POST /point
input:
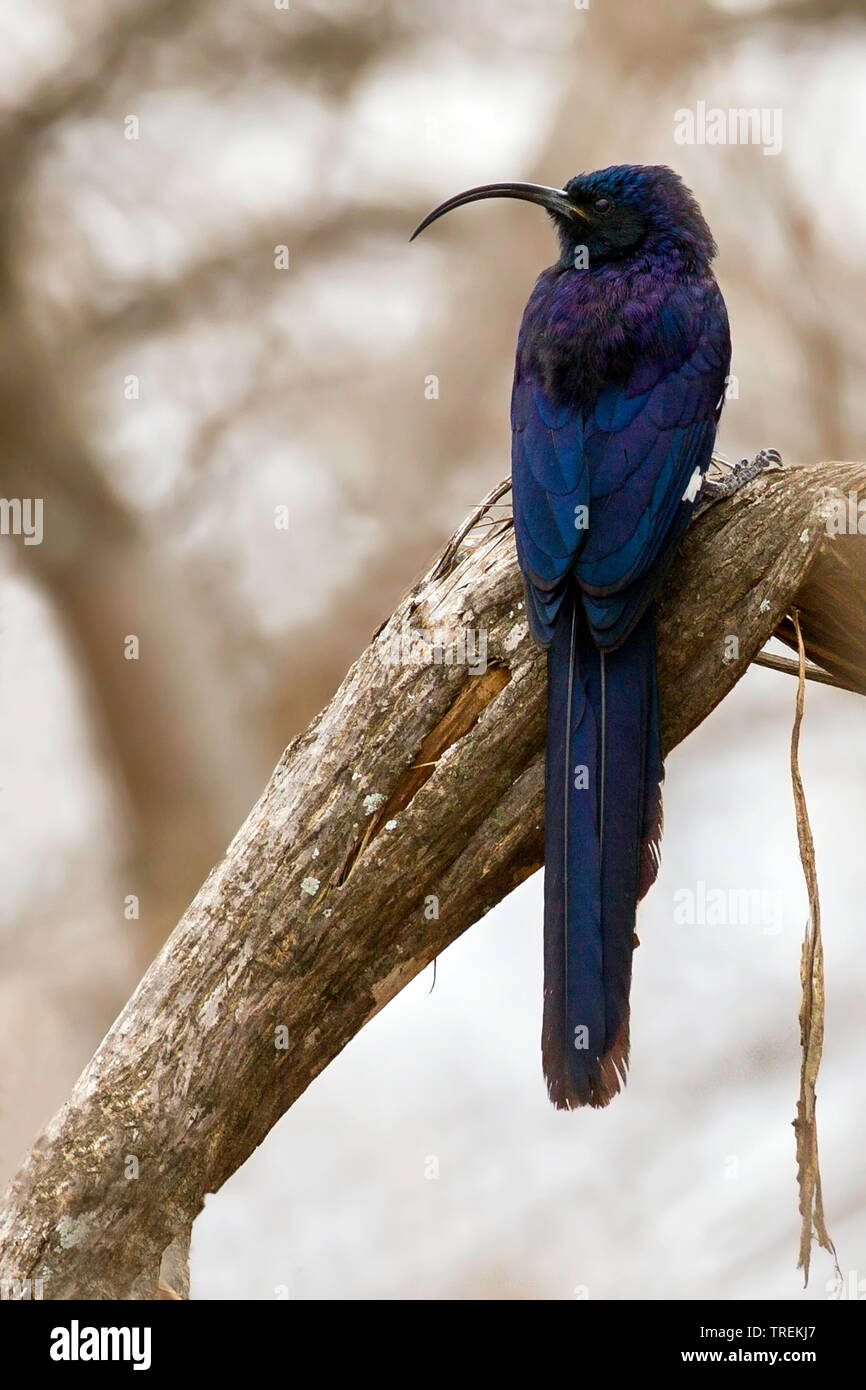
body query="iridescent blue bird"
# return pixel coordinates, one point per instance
(622, 359)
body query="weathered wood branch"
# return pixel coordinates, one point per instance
(419, 785)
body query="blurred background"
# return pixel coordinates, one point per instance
(209, 310)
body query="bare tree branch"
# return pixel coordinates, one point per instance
(791, 668)
(410, 806)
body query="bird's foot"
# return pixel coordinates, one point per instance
(714, 490)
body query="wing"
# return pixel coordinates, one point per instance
(551, 489)
(634, 458)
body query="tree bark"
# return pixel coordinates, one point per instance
(410, 806)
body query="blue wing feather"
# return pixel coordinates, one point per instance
(628, 457)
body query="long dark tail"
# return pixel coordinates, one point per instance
(602, 830)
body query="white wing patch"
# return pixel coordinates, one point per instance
(694, 486)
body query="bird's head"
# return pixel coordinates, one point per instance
(611, 214)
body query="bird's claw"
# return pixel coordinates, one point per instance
(744, 472)
(763, 460)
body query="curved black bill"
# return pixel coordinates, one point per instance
(553, 199)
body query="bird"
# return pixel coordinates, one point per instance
(622, 361)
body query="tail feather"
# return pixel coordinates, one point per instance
(602, 824)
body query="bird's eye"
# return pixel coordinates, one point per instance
(602, 204)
